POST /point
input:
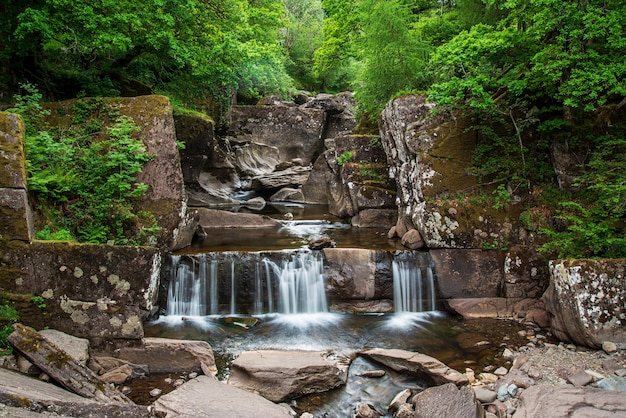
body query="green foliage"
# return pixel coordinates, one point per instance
(38, 301)
(84, 177)
(46, 234)
(8, 316)
(345, 157)
(191, 49)
(393, 58)
(595, 222)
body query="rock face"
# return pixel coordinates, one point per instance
(284, 375)
(165, 198)
(206, 397)
(294, 130)
(549, 401)
(90, 291)
(417, 364)
(440, 208)
(16, 215)
(358, 274)
(587, 301)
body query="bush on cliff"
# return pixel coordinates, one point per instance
(83, 176)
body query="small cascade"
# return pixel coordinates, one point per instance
(413, 282)
(246, 283)
(300, 284)
(186, 294)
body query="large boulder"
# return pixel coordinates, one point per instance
(447, 401)
(165, 198)
(553, 401)
(416, 364)
(214, 218)
(293, 177)
(586, 300)
(164, 355)
(21, 391)
(284, 375)
(206, 397)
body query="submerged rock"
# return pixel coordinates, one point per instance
(417, 364)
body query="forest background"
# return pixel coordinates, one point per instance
(531, 74)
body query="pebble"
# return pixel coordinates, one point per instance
(155, 392)
(484, 395)
(178, 382)
(168, 380)
(620, 372)
(507, 354)
(501, 371)
(609, 347)
(192, 375)
(125, 390)
(579, 378)
(594, 374)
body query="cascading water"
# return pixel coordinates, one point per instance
(246, 283)
(413, 282)
(300, 284)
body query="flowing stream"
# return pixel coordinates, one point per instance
(254, 299)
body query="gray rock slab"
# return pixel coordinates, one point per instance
(76, 347)
(282, 375)
(18, 391)
(213, 218)
(566, 401)
(206, 397)
(416, 364)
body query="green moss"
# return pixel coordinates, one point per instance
(58, 359)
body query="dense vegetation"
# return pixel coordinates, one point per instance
(532, 74)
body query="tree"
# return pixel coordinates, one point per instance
(187, 48)
(302, 35)
(393, 57)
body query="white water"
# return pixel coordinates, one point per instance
(413, 284)
(291, 286)
(300, 283)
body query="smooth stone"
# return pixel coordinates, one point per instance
(484, 395)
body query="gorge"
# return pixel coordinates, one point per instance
(411, 220)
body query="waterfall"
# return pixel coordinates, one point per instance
(246, 283)
(413, 283)
(301, 283)
(186, 293)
